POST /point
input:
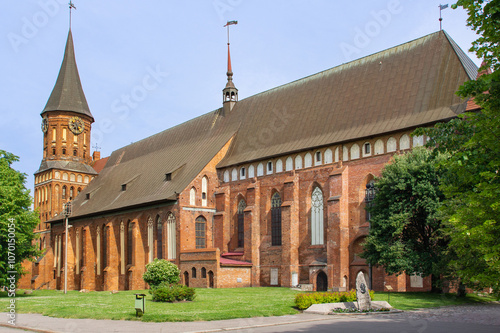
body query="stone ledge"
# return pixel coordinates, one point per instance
(327, 308)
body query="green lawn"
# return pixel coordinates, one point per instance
(210, 304)
(412, 301)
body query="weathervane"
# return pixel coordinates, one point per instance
(441, 7)
(71, 6)
(227, 25)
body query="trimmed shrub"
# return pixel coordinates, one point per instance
(172, 293)
(305, 300)
(161, 272)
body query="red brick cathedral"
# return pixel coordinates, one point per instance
(270, 190)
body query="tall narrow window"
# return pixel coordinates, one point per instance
(172, 246)
(150, 240)
(71, 193)
(104, 246)
(200, 228)
(241, 223)
(192, 196)
(99, 246)
(122, 248)
(317, 228)
(204, 190)
(130, 247)
(276, 219)
(64, 134)
(159, 238)
(369, 196)
(82, 249)
(64, 192)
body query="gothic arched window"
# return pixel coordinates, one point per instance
(159, 238)
(241, 223)
(130, 239)
(276, 219)
(171, 246)
(201, 233)
(104, 251)
(317, 225)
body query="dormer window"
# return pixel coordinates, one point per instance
(124, 187)
(87, 196)
(168, 177)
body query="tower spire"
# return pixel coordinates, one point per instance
(68, 94)
(230, 93)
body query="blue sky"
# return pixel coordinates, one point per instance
(182, 44)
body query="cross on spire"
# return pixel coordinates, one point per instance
(71, 6)
(96, 147)
(441, 7)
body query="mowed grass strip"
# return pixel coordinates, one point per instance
(419, 300)
(210, 304)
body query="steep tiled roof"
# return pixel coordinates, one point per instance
(409, 85)
(67, 94)
(183, 151)
(100, 164)
(406, 86)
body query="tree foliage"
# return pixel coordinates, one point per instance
(16, 219)
(470, 177)
(405, 230)
(161, 272)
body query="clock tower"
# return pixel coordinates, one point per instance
(66, 166)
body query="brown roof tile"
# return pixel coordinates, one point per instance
(403, 87)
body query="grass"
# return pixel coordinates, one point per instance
(210, 304)
(412, 301)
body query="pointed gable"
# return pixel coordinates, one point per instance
(68, 94)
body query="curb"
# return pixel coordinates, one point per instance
(24, 328)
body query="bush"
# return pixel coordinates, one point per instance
(161, 272)
(305, 300)
(172, 293)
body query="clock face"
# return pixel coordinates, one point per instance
(76, 125)
(45, 125)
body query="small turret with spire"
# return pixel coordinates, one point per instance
(230, 93)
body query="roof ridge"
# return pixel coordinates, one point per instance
(338, 67)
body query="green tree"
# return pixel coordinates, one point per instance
(161, 272)
(17, 220)
(470, 179)
(405, 230)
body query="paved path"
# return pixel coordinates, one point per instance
(476, 318)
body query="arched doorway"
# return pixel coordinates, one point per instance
(321, 282)
(186, 279)
(210, 279)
